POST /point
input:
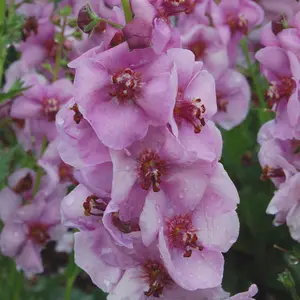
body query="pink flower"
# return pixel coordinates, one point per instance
(20, 190)
(189, 238)
(235, 19)
(75, 133)
(233, 97)
(276, 8)
(285, 205)
(64, 171)
(279, 158)
(103, 33)
(98, 255)
(205, 43)
(282, 94)
(40, 104)
(195, 105)
(38, 31)
(27, 231)
(120, 98)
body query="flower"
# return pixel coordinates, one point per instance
(233, 97)
(205, 43)
(40, 104)
(282, 95)
(121, 98)
(74, 134)
(27, 231)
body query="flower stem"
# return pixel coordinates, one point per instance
(2, 43)
(113, 24)
(59, 50)
(75, 270)
(40, 170)
(127, 10)
(17, 285)
(257, 85)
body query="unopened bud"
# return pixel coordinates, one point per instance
(87, 20)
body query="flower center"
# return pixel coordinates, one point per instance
(94, 206)
(77, 114)
(38, 232)
(190, 111)
(173, 7)
(181, 234)
(221, 103)
(30, 25)
(156, 276)
(285, 88)
(50, 108)
(24, 185)
(238, 23)
(198, 48)
(65, 173)
(268, 173)
(150, 170)
(125, 227)
(20, 123)
(126, 85)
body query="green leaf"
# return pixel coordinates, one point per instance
(5, 164)
(12, 93)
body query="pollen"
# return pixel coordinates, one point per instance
(155, 274)
(38, 233)
(182, 234)
(50, 108)
(126, 85)
(94, 206)
(190, 111)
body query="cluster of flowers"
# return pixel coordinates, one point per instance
(280, 138)
(154, 208)
(136, 134)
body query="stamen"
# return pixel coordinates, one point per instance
(238, 23)
(284, 89)
(38, 232)
(50, 108)
(93, 207)
(268, 173)
(181, 234)
(150, 170)
(78, 115)
(157, 277)
(126, 85)
(191, 112)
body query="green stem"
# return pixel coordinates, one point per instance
(39, 172)
(59, 51)
(70, 282)
(294, 294)
(113, 24)
(3, 50)
(17, 286)
(259, 92)
(127, 10)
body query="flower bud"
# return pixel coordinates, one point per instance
(87, 19)
(137, 33)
